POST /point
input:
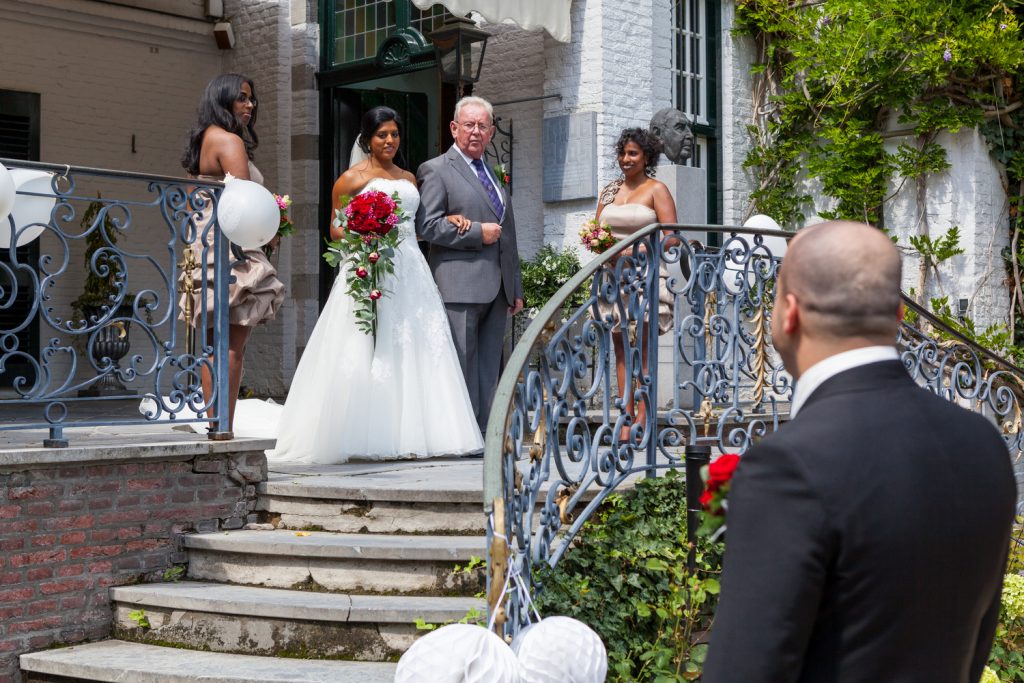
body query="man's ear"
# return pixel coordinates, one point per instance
(791, 319)
(900, 312)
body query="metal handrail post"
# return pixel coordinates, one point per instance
(696, 457)
(221, 280)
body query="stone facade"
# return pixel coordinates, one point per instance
(68, 532)
(96, 63)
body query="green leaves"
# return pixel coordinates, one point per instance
(546, 272)
(626, 577)
(837, 75)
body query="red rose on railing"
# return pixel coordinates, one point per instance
(717, 482)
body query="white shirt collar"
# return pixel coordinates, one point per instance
(817, 374)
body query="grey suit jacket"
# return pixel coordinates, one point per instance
(465, 269)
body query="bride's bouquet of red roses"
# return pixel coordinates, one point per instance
(368, 247)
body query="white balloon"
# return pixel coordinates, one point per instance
(7, 191)
(562, 650)
(762, 221)
(29, 210)
(248, 213)
(458, 653)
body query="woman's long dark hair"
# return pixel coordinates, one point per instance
(372, 120)
(216, 108)
(647, 141)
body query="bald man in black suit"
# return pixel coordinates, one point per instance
(868, 537)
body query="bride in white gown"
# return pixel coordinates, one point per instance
(405, 396)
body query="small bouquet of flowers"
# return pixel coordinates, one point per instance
(596, 237)
(502, 174)
(286, 228)
(368, 247)
(717, 481)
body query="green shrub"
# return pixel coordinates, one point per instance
(546, 272)
(1007, 658)
(626, 577)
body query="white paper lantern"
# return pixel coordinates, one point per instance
(762, 221)
(7, 191)
(458, 653)
(776, 245)
(248, 213)
(562, 650)
(29, 210)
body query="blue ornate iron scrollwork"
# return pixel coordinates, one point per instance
(561, 439)
(156, 219)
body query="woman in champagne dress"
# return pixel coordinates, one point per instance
(222, 142)
(626, 205)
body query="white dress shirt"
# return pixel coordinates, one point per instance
(490, 174)
(832, 366)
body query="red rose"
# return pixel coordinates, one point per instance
(361, 272)
(705, 498)
(374, 257)
(720, 471)
(371, 212)
(375, 294)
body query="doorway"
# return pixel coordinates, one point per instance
(415, 95)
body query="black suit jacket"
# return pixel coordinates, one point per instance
(866, 541)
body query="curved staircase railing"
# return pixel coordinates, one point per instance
(561, 438)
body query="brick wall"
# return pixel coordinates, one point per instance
(69, 533)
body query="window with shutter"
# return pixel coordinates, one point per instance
(19, 139)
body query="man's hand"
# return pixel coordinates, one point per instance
(515, 308)
(491, 232)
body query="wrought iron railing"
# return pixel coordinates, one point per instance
(560, 438)
(126, 238)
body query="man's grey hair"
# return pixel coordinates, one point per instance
(477, 101)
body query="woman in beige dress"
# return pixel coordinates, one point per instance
(628, 204)
(222, 142)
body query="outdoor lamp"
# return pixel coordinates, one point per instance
(457, 58)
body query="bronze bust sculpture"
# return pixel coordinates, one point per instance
(673, 128)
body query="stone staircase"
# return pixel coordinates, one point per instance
(328, 586)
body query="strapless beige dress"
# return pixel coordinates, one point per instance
(256, 294)
(624, 220)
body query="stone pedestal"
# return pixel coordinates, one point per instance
(688, 186)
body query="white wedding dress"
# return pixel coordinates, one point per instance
(404, 397)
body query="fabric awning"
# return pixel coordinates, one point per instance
(550, 15)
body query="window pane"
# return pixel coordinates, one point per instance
(689, 61)
(361, 25)
(427, 20)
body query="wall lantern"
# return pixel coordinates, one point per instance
(460, 49)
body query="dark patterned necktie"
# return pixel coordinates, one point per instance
(492, 193)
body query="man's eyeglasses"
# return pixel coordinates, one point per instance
(243, 98)
(470, 127)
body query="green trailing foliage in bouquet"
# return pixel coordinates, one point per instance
(368, 247)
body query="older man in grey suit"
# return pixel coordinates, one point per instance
(476, 269)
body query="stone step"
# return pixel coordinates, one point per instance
(433, 496)
(351, 563)
(276, 622)
(116, 660)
